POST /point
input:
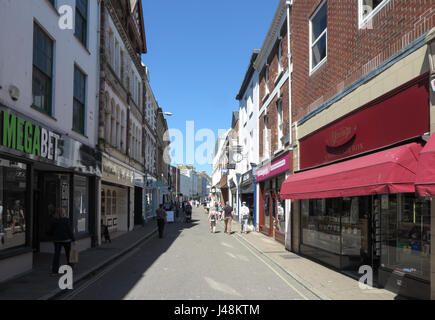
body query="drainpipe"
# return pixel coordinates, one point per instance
(288, 231)
(289, 3)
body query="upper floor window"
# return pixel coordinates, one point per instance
(267, 79)
(280, 130)
(79, 101)
(81, 20)
(280, 66)
(318, 37)
(117, 58)
(42, 77)
(368, 8)
(111, 49)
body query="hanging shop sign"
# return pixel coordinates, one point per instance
(279, 165)
(26, 138)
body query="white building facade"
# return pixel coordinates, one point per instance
(49, 108)
(248, 97)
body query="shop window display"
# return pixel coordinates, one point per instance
(354, 226)
(267, 211)
(81, 205)
(321, 224)
(13, 177)
(406, 234)
(280, 223)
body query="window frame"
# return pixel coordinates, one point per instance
(324, 33)
(85, 19)
(82, 103)
(50, 76)
(280, 123)
(280, 57)
(266, 79)
(363, 21)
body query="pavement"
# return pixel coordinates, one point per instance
(326, 283)
(39, 285)
(190, 263)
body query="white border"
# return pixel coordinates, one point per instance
(362, 21)
(312, 70)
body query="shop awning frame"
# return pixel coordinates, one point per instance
(389, 171)
(425, 181)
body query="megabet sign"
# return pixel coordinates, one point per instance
(22, 135)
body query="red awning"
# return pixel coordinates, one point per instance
(425, 181)
(389, 171)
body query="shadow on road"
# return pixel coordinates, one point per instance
(118, 283)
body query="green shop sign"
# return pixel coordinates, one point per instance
(22, 135)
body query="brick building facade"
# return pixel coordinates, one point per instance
(360, 91)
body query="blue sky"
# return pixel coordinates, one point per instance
(198, 53)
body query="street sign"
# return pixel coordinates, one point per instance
(224, 171)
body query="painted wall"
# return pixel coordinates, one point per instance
(17, 20)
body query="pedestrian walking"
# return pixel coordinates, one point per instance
(62, 234)
(244, 215)
(228, 217)
(220, 211)
(188, 212)
(161, 220)
(105, 232)
(212, 218)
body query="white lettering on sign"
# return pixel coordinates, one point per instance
(50, 146)
(278, 165)
(44, 140)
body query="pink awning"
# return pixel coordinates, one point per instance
(425, 181)
(390, 171)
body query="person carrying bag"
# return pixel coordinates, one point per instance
(63, 236)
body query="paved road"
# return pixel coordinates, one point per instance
(190, 263)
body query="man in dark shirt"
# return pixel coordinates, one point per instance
(62, 234)
(228, 217)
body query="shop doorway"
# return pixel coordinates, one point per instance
(138, 206)
(51, 191)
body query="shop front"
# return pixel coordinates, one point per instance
(117, 191)
(138, 210)
(42, 172)
(272, 208)
(150, 197)
(357, 195)
(224, 190)
(234, 202)
(247, 194)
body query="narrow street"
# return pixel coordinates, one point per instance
(190, 263)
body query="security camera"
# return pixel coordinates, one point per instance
(14, 92)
